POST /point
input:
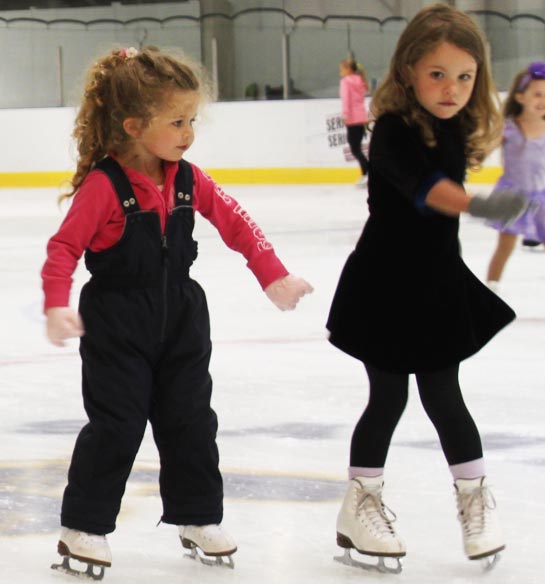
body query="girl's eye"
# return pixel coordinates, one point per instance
(180, 123)
(466, 77)
(436, 75)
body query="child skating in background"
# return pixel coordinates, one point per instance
(523, 150)
(352, 90)
(144, 325)
(406, 303)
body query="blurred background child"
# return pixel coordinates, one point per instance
(523, 150)
(353, 89)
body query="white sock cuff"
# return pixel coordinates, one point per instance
(468, 470)
(364, 471)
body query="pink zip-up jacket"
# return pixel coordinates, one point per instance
(352, 92)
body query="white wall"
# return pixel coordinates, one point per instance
(232, 134)
(286, 134)
(36, 140)
(255, 134)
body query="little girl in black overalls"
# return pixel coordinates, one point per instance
(146, 346)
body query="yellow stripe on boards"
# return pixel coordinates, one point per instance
(224, 176)
(487, 175)
(283, 175)
(32, 180)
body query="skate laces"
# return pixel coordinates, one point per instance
(371, 507)
(473, 508)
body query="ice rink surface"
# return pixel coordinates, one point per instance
(287, 402)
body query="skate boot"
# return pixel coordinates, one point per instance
(493, 285)
(362, 182)
(481, 531)
(208, 541)
(87, 548)
(364, 523)
(530, 243)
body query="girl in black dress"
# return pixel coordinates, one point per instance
(406, 303)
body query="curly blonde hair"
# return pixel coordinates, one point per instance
(481, 118)
(126, 83)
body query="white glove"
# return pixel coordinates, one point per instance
(285, 292)
(63, 323)
(502, 205)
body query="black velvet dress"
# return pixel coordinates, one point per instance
(406, 302)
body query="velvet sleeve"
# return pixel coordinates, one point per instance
(399, 155)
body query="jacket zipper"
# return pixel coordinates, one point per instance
(164, 254)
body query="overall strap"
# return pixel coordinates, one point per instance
(113, 170)
(183, 183)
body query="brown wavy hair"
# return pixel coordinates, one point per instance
(126, 83)
(481, 118)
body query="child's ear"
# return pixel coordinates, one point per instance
(133, 127)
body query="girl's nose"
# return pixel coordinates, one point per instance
(449, 88)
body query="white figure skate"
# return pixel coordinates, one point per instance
(477, 514)
(208, 541)
(364, 523)
(362, 182)
(87, 548)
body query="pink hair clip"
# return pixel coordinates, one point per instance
(129, 53)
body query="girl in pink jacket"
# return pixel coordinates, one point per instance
(353, 88)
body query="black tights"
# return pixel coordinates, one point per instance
(443, 402)
(354, 136)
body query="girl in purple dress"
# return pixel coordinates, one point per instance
(523, 150)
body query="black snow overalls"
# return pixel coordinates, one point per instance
(145, 356)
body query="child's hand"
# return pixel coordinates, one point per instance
(63, 323)
(285, 292)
